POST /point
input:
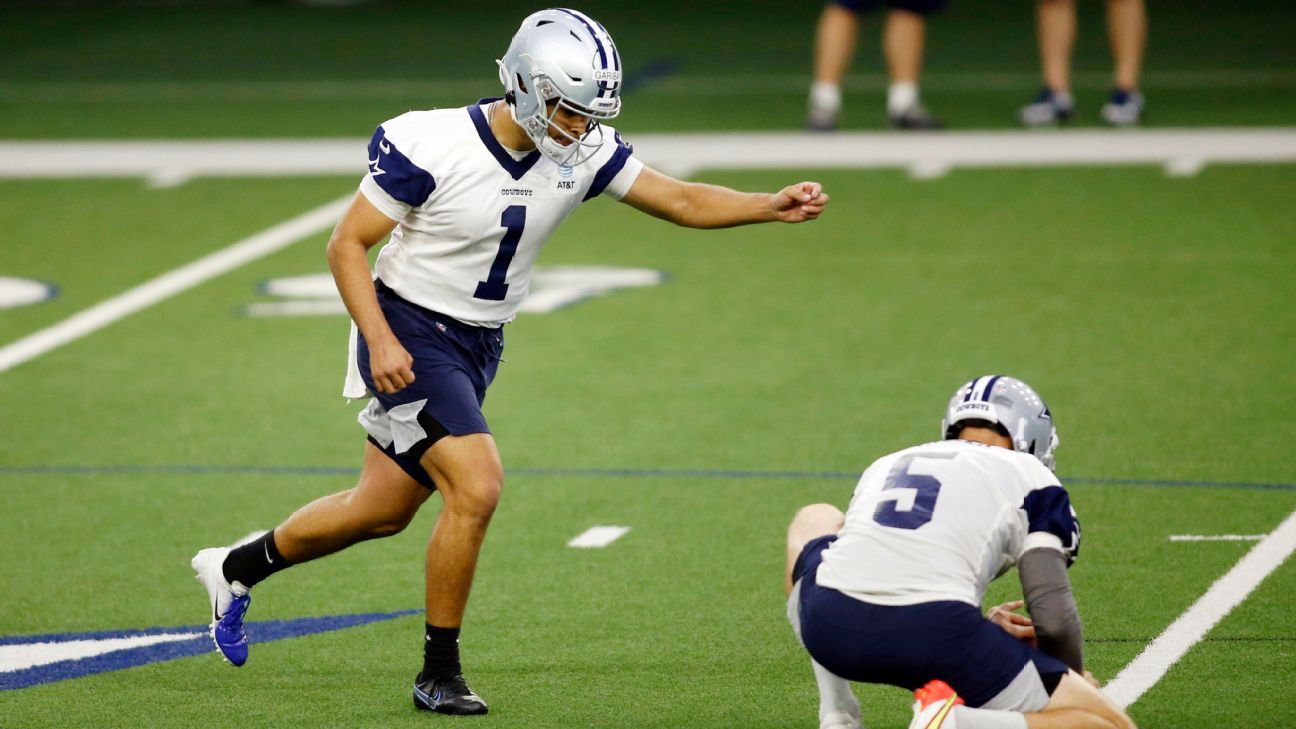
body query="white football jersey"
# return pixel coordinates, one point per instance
(471, 217)
(940, 521)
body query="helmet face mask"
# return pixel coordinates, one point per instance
(1011, 404)
(562, 60)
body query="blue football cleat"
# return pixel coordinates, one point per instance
(229, 604)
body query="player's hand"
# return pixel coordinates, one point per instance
(1014, 624)
(390, 365)
(800, 202)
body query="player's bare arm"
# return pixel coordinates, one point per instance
(699, 205)
(362, 227)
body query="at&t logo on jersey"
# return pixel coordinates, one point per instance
(565, 171)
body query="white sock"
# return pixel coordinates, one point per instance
(901, 97)
(825, 97)
(1063, 99)
(965, 717)
(834, 692)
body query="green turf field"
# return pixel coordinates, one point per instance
(772, 365)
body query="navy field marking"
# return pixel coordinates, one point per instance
(31, 660)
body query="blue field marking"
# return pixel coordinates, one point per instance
(672, 473)
(258, 632)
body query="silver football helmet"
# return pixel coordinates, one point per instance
(567, 57)
(1010, 404)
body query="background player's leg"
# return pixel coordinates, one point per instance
(1056, 26)
(902, 44)
(1127, 31)
(382, 503)
(811, 521)
(835, 40)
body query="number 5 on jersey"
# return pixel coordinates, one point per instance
(494, 288)
(912, 497)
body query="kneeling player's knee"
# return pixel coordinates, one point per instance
(811, 522)
(820, 518)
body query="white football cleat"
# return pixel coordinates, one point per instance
(229, 602)
(839, 719)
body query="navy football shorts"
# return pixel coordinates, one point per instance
(922, 7)
(454, 363)
(909, 645)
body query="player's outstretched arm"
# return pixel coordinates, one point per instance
(362, 227)
(698, 205)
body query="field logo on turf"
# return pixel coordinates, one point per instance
(31, 660)
(552, 288)
(15, 292)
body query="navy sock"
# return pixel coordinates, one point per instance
(254, 561)
(440, 652)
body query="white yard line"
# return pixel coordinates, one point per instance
(171, 283)
(21, 656)
(1179, 151)
(1228, 592)
(1216, 537)
(598, 536)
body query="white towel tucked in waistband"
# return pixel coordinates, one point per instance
(354, 388)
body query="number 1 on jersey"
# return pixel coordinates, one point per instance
(494, 288)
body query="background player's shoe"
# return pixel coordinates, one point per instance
(229, 603)
(449, 695)
(916, 117)
(934, 706)
(821, 120)
(1049, 109)
(1124, 109)
(838, 719)
(823, 106)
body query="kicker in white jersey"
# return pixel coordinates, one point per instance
(940, 521)
(473, 215)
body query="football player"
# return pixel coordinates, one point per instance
(468, 196)
(890, 592)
